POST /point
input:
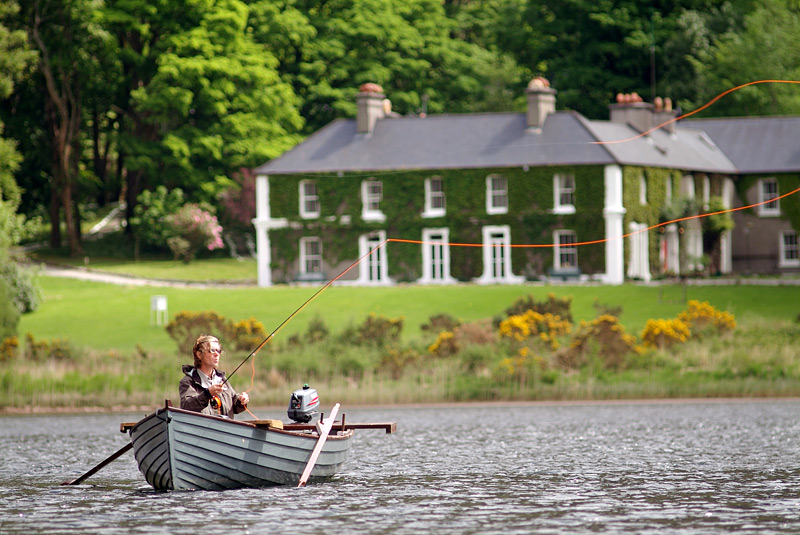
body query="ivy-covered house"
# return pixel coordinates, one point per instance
(493, 197)
(766, 154)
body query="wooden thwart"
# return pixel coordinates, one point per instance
(390, 427)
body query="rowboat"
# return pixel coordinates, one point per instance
(178, 449)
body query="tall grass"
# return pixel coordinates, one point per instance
(120, 359)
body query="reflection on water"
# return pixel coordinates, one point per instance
(676, 467)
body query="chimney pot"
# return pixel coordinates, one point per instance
(371, 107)
(541, 101)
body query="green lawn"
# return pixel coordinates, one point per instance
(106, 316)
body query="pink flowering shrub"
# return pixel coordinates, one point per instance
(192, 229)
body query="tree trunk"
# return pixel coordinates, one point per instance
(63, 102)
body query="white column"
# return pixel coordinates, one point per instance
(261, 223)
(726, 253)
(613, 213)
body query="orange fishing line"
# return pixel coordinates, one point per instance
(701, 108)
(548, 245)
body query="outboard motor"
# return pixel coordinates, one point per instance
(303, 404)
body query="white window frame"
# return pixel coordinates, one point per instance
(434, 197)
(374, 268)
(771, 209)
(310, 259)
(496, 198)
(371, 201)
(560, 250)
(309, 202)
(436, 256)
(789, 253)
(706, 192)
(497, 256)
(563, 193)
(642, 190)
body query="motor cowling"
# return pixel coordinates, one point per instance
(303, 404)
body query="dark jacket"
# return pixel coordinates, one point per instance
(196, 398)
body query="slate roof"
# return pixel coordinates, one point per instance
(492, 140)
(756, 144)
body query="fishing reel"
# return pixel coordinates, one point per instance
(303, 404)
(216, 403)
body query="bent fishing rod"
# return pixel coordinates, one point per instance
(301, 307)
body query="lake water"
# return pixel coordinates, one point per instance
(683, 467)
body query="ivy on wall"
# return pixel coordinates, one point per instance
(529, 218)
(656, 180)
(790, 206)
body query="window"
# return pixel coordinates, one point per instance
(374, 268)
(789, 250)
(435, 256)
(668, 190)
(566, 252)
(768, 189)
(497, 256)
(310, 255)
(564, 194)
(309, 201)
(706, 192)
(434, 197)
(371, 197)
(496, 194)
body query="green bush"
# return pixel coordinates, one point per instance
(9, 313)
(22, 283)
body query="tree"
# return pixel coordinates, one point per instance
(592, 50)
(763, 47)
(61, 31)
(328, 48)
(17, 291)
(201, 99)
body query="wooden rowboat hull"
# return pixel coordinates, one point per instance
(181, 450)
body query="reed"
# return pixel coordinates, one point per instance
(758, 360)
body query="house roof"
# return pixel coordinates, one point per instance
(503, 140)
(756, 144)
(443, 142)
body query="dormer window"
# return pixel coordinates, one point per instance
(496, 194)
(371, 197)
(434, 197)
(309, 200)
(564, 194)
(768, 190)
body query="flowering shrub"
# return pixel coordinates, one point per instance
(545, 327)
(247, 334)
(663, 333)
(445, 345)
(396, 360)
(193, 229)
(9, 348)
(604, 336)
(520, 365)
(700, 316)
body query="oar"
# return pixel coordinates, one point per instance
(323, 436)
(97, 468)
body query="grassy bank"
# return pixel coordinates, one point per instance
(116, 357)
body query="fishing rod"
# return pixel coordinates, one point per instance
(301, 307)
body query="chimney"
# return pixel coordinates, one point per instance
(541, 101)
(631, 110)
(664, 113)
(370, 107)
